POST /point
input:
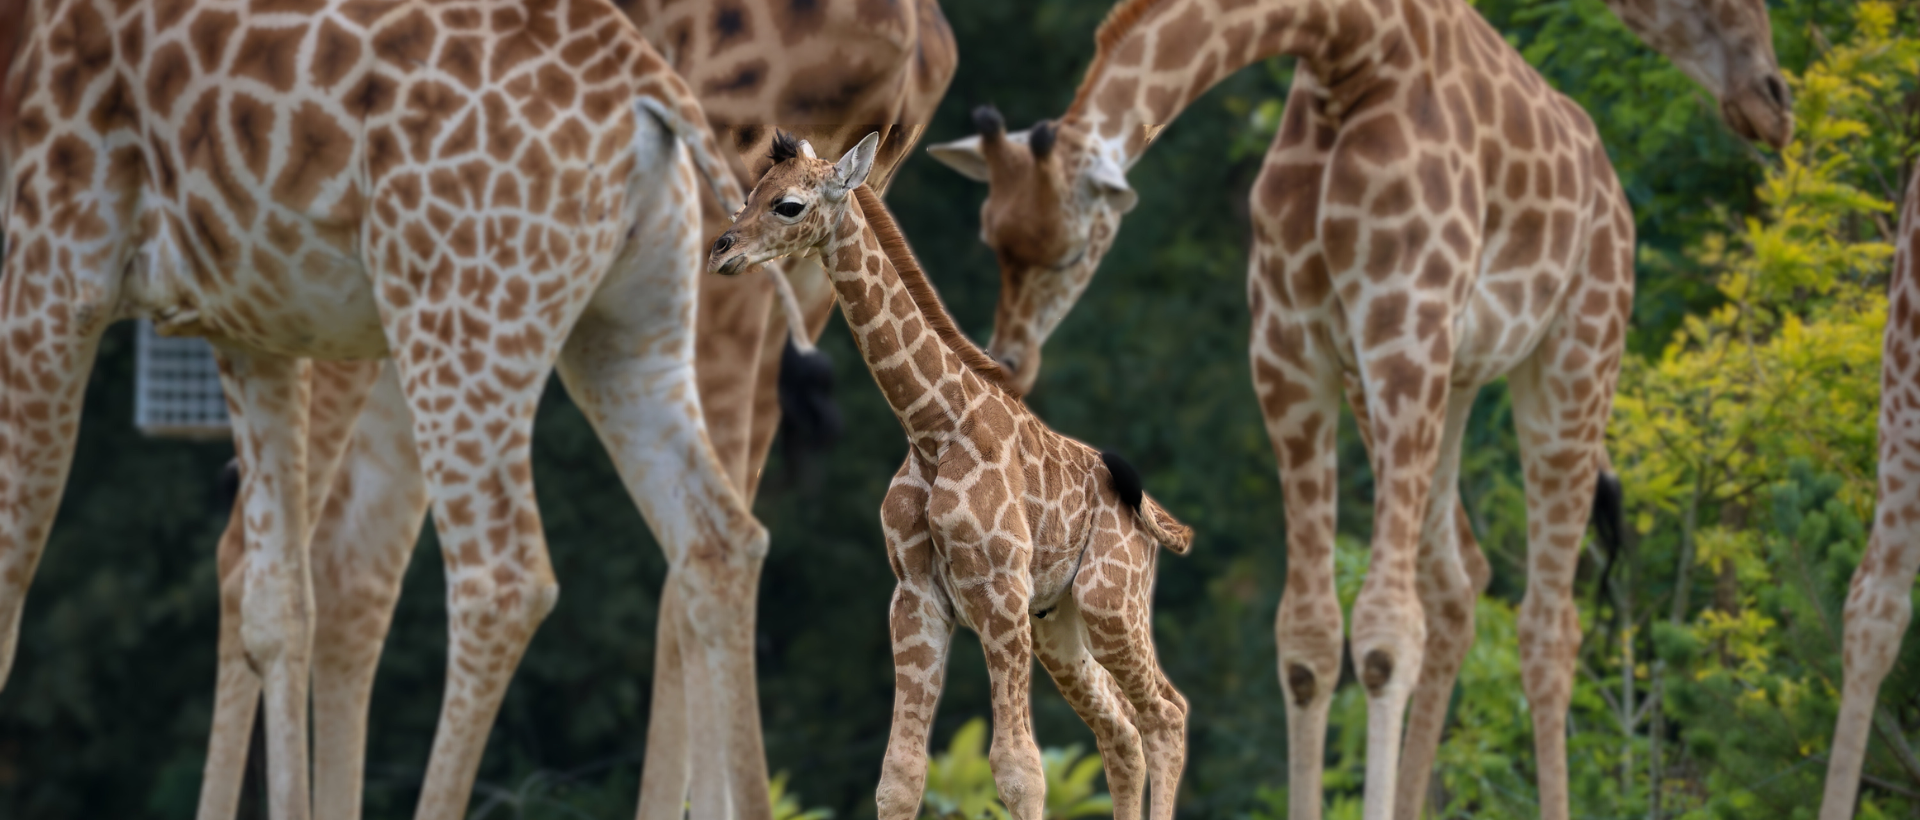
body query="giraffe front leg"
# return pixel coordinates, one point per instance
(1449, 606)
(269, 396)
(920, 623)
(1447, 591)
(991, 590)
(1299, 399)
(236, 692)
(361, 547)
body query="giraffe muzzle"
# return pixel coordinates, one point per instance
(725, 266)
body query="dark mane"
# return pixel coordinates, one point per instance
(880, 221)
(1116, 27)
(785, 147)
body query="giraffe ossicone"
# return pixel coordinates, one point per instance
(1039, 543)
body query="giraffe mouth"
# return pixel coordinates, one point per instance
(730, 266)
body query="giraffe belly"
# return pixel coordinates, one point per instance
(1502, 322)
(317, 302)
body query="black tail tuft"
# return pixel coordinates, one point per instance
(1609, 522)
(1126, 480)
(810, 422)
(226, 488)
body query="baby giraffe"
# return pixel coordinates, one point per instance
(1039, 543)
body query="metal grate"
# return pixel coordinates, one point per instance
(177, 387)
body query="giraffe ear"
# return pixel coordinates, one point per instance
(853, 168)
(806, 150)
(1108, 180)
(963, 155)
(969, 157)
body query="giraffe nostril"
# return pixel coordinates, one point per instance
(722, 244)
(1011, 363)
(1778, 91)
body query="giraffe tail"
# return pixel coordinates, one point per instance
(1609, 522)
(1176, 537)
(722, 170)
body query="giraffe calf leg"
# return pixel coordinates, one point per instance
(1061, 642)
(1114, 593)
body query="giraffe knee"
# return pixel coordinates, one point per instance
(1301, 683)
(276, 622)
(1376, 671)
(1021, 779)
(515, 599)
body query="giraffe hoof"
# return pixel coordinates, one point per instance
(1376, 671)
(1301, 683)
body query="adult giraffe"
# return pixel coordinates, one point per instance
(833, 72)
(483, 190)
(1420, 230)
(1879, 603)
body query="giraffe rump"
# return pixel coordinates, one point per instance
(1171, 534)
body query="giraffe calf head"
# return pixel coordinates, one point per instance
(796, 208)
(1054, 202)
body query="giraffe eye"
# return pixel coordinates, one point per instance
(789, 208)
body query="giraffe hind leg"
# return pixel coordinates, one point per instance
(1060, 640)
(1114, 595)
(632, 375)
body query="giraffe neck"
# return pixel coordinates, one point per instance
(1157, 56)
(925, 381)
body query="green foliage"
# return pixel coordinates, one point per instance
(786, 805)
(960, 782)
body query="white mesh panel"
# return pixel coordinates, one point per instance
(177, 387)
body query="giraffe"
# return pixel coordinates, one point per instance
(901, 61)
(1432, 218)
(483, 190)
(1878, 607)
(1037, 542)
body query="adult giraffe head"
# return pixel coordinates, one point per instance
(1726, 46)
(1057, 190)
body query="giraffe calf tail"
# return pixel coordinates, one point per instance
(1176, 537)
